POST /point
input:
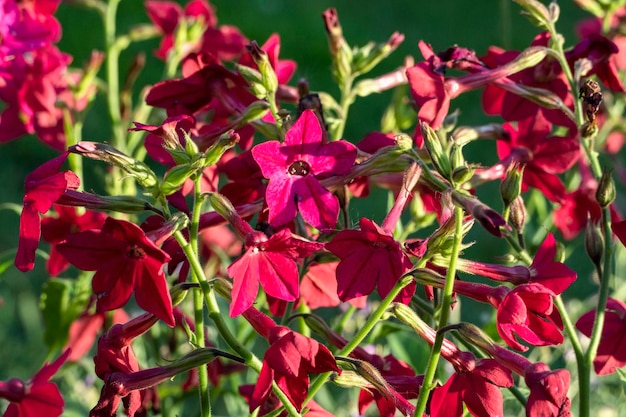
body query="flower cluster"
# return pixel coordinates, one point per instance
(227, 182)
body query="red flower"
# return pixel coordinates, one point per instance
(272, 262)
(294, 169)
(476, 383)
(612, 349)
(526, 312)
(373, 250)
(542, 156)
(548, 391)
(125, 260)
(603, 56)
(56, 229)
(546, 75)
(288, 362)
(166, 16)
(169, 135)
(544, 270)
(36, 397)
(43, 187)
(27, 26)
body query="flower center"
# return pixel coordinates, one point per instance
(300, 168)
(135, 252)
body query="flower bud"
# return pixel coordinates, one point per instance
(435, 150)
(462, 174)
(349, 379)
(176, 177)
(223, 143)
(517, 214)
(403, 141)
(255, 111)
(369, 56)
(486, 216)
(474, 335)
(511, 185)
(605, 194)
(368, 372)
(537, 13)
(254, 79)
(107, 153)
(179, 291)
(225, 208)
(466, 134)
(594, 243)
(270, 81)
(340, 51)
(409, 317)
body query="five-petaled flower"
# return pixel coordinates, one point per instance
(370, 257)
(124, 260)
(288, 362)
(294, 169)
(272, 262)
(548, 391)
(43, 187)
(37, 396)
(612, 349)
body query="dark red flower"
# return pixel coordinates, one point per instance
(37, 396)
(272, 403)
(548, 391)
(602, 53)
(294, 169)
(124, 260)
(84, 332)
(373, 250)
(544, 270)
(56, 229)
(288, 362)
(270, 261)
(475, 384)
(612, 349)
(542, 156)
(42, 187)
(546, 75)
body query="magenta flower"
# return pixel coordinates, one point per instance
(170, 134)
(288, 362)
(270, 261)
(612, 349)
(54, 230)
(124, 260)
(43, 187)
(548, 391)
(37, 396)
(294, 169)
(370, 257)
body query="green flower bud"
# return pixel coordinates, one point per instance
(511, 185)
(594, 243)
(176, 177)
(605, 194)
(435, 150)
(270, 81)
(517, 214)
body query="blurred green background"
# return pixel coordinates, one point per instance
(443, 23)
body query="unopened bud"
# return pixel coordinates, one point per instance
(368, 57)
(270, 81)
(368, 372)
(466, 134)
(594, 243)
(179, 291)
(517, 214)
(511, 185)
(225, 208)
(223, 143)
(340, 51)
(435, 150)
(409, 317)
(537, 13)
(474, 335)
(107, 153)
(176, 177)
(462, 174)
(605, 194)
(254, 79)
(403, 141)
(255, 111)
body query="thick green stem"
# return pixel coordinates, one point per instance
(446, 303)
(347, 98)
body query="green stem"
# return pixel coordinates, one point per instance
(347, 98)
(446, 303)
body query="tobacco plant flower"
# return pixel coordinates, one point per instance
(270, 261)
(56, 229)
(294, 169)
(544, 270)
(27, 26)
(370, 257)
(543, 156)
(284, 68)
(37, 396)
(288, 362)
(43, 187)
(611, 353)
(548, 391)
(124, 260)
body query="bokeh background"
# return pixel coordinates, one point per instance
(473, 24)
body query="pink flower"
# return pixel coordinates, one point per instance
(373, 250)
(125, 260)
(28, 25)
(43, 187)
(294, 169)
(288, 362)
(612, 349)
(270, 261)
(37, 396)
